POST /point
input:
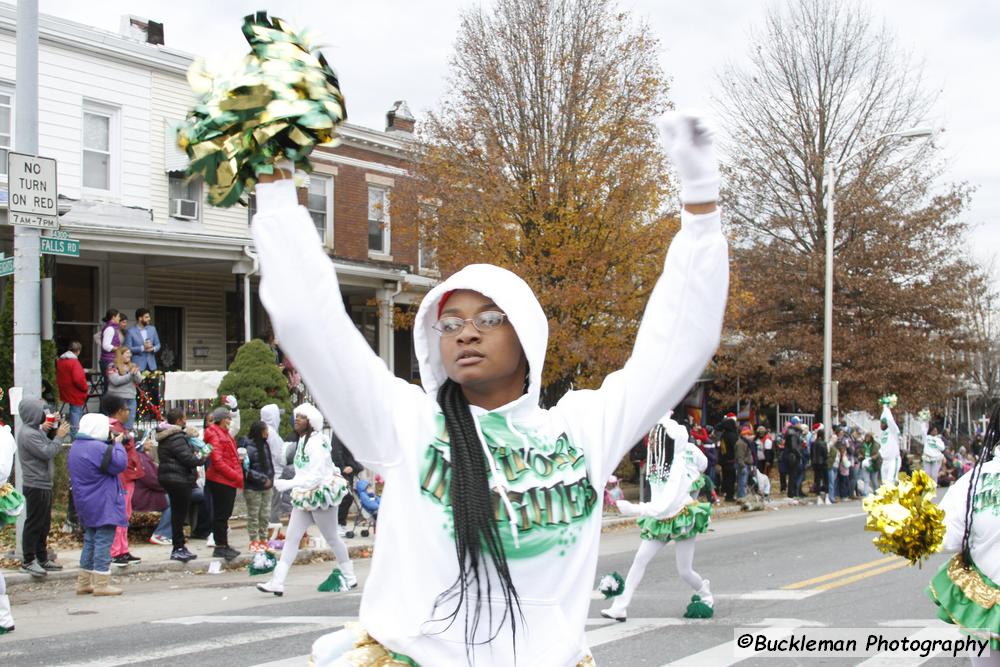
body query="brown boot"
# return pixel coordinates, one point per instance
(102, 584)
(84, 582)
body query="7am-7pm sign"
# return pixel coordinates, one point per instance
(33, 199)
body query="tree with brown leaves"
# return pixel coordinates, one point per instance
(543, 159)
(823, 82)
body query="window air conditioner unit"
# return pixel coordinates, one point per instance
(185, 209)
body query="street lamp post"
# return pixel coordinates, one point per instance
(831, 180)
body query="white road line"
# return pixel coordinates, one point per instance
(215, 643)
(297, 661)
(841, 518)
(259, 620)
(615, 631)
(771, 594)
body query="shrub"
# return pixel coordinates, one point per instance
(256, 380)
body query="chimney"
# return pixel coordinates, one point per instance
(141, 30)
(399, 118)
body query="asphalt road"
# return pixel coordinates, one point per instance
(804, 567)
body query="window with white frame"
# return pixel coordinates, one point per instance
(99, 141)
(378, 220)
(6, 126)
(320, 205)
(185, 197)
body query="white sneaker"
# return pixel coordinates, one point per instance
(341, 531)
(159, 539)
(621, 617)
(268, 587)
(210, 542)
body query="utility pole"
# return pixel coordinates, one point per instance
(27, 295)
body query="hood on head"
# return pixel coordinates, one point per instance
(313, 415)
(31, 411)
(270, 414)
(511, 294)
(95, 425)
(165, 430)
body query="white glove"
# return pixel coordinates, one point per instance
(282, 485)
(230, 402)
(627, 508)
(688, 142)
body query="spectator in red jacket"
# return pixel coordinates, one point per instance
(223, 478)
(72, 384)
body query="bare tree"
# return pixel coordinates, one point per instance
(984, 322)
(823, 82)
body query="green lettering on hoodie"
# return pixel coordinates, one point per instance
(548, 485)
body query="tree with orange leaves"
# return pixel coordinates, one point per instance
(543, 159)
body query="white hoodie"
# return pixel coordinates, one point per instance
(889, 438)
(668, 497)
(7, 448)
(553, 463)
(984, 541)
(271, 415)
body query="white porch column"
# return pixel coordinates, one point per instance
(384, 298)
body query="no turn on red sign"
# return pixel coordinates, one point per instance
(33, 199)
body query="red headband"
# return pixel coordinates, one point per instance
(444, 300)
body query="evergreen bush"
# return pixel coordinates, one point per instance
(256, 380)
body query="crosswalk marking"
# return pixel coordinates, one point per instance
(769, 594)
(724, 654)
(262, 620)
(840, 573)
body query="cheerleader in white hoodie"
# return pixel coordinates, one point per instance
(316, 492)
(11, 504)
(967, 587)
(888, 439)
(490, 519)
(674, 468)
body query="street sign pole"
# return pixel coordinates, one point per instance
(27, 315)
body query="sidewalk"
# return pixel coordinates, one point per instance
(156, 558)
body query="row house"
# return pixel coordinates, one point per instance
(109, 107)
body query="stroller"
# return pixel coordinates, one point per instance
(367, 502)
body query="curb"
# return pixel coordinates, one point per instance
(199, 566)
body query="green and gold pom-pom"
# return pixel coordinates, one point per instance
(889, 399)
(697, 608)
(280, 104)
(611, 585)
(905, 516)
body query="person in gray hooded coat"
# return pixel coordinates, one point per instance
(38, 443)
(281, 501)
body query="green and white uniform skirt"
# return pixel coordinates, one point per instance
(969, 599)
(692, 520)
(11, 504)
(322, 496)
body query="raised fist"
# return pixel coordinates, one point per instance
(690, 145)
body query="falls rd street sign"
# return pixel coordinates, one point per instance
(33, 199)
(7, 266)
(60, 246)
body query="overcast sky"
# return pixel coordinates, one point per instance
(386, 50)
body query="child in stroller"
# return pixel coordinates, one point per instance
(367, 502)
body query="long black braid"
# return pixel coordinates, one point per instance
(990, 441)
(474, 516)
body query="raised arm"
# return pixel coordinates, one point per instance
(350, 383)
(682, 323)
(890, 420)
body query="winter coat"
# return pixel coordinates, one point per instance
(790, 454)
(343, 458)
(225, 466)
(270, 414)
(97, 493)
(149, 496)
(178, 459)
(35, 448)
(743, 456)
(71, 379)
(728, 435)
(819, 453)
(260, 475)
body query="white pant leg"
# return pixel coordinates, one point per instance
(684, 556)
(330, 648)
(298, 523)
(326, 521)
(6, 618)
(647, 550)
(890, 469)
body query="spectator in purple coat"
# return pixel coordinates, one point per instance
(95, 462)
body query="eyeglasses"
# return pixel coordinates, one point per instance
(452, 326)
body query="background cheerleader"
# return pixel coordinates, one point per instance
(11, 504)
(674, 468)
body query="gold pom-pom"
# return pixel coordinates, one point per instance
(905, 516)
